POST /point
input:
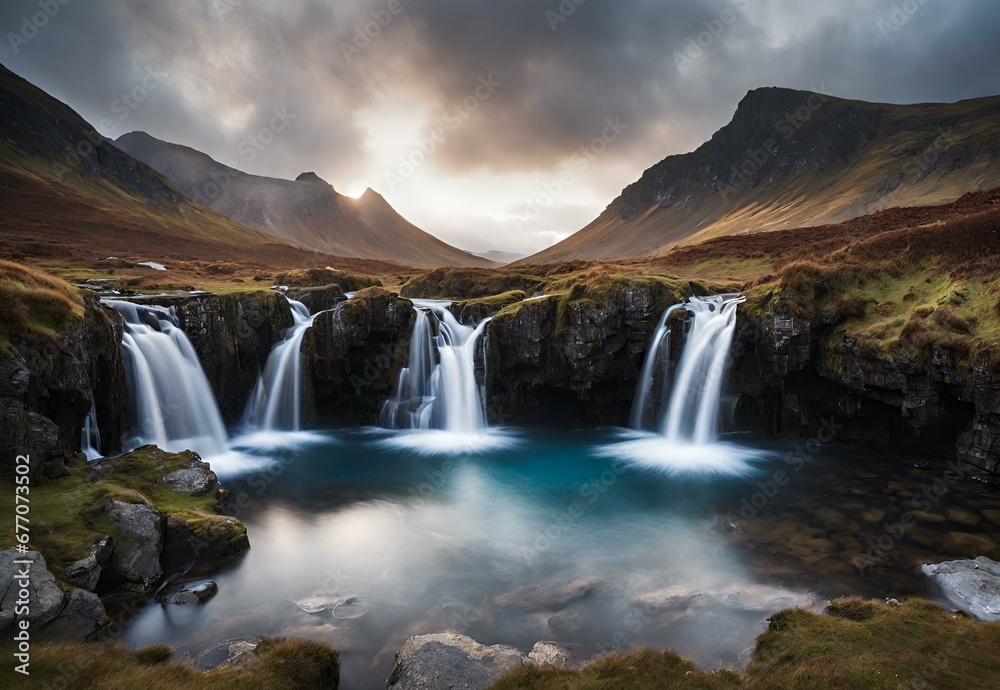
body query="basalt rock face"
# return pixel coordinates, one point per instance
(233, 335)
(48, 385)
(353, 355)
(578, 356)
(790, 375)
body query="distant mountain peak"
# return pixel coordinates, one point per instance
(311, 177)
(307, 213)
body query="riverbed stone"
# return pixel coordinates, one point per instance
(963, 516)
(992, 515)
(962, 543)
(189, 593)
(552, 595)
(451, 660)
(970, 585)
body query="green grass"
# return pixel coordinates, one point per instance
(67, 515)
(282, 665)
(857, 644)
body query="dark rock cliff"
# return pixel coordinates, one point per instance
(792, 374)
(48, 385)
(353, 355)
(583, 351)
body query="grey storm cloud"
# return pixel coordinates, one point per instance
(673, 70)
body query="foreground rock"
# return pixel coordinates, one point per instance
(451, 660)
(138, 536)
(972, 586)
(73, 615)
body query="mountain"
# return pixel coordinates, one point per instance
(499, 257)
(69, 196)
(306, 212)
(797, 158)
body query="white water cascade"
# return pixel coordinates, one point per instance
(90, 437)
(438, 389)
(276, 401)
(695, 397)
(171, 403)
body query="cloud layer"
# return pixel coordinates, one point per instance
(464, 111)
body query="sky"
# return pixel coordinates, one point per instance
(493, 124)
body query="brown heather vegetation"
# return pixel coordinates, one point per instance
(468, 283)
(33, 303)
(319, 277)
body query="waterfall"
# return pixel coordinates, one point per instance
(90, 436)
(438, 388)
(695, 395)
(656, 364)
(276, 401)
(170, 401)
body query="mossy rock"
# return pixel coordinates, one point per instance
(69, 518)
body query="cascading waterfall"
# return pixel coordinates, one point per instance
(276, 401)
(90, 436)
(656, 365)
(171, 403)
(438, 389)
(695, 395)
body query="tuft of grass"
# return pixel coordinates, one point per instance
(34, 303)
(853, 609)
(282, 665)
(154, 654)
